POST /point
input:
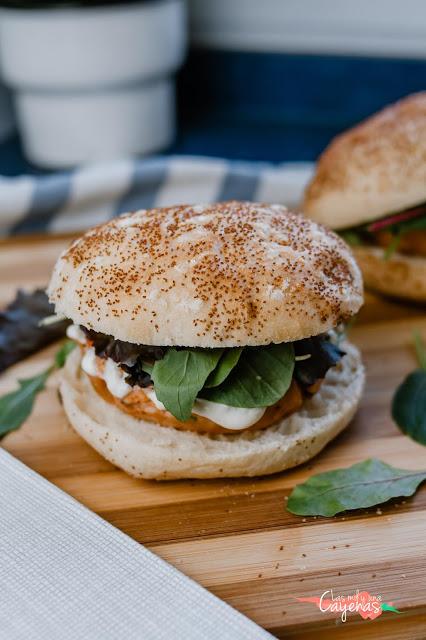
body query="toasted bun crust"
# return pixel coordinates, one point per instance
(401, 276)
(145, 450)
(218, 275)
(374, 169)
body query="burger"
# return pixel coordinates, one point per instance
(370, 185)
(209, 339)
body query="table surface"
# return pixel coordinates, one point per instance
(235, 537)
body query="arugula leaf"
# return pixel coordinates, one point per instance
(148, 367)
(351, 237)
(250, 377)
(261, 377)
(227, 362)
(362, 485)
(16, 406)
(62, 354)
(409, 401)
(392, 246)
(398, 230)
(354, 236)
(409, 406)
(417, 224)
(179, 376)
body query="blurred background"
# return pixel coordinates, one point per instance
(241, 79)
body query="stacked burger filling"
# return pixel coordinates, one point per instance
(207, 390)
(404, 232)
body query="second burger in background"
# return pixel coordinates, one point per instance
(370, 186)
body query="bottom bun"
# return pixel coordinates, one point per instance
(400, 276)
(146, 450)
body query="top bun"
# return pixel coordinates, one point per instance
(229, 274)
(374, 169)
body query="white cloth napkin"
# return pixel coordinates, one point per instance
(66, 574)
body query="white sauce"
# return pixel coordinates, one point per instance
(75, 333)
(114, 378)
(112, 374)
(89, 364)
(233, 418)
(150, 393)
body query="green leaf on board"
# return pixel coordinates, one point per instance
(16, 406)
(365, 484)
(409, 406)
(409, 400)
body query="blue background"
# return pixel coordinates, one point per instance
(272, 107)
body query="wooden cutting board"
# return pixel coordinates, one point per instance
(235, 536)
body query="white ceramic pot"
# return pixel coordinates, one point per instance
(61, 129)
(93, 83)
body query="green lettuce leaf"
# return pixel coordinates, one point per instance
(409, 401)
(180, 375)
(399, 229)
(261, 377)
(416, 224)
(148, 367)
(16, 406)
(362, 485)
(351, 237)
(227, 362)
(356, 236)
(62, 354)
(409, 406)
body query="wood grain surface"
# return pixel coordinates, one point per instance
(235, 536)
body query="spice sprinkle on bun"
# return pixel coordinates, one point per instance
(208, 339)
(370, 185)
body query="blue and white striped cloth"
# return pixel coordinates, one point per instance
(72, 201)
